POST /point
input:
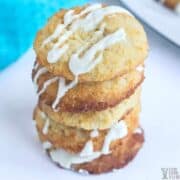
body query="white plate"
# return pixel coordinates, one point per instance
(160, 18)
(21, 154)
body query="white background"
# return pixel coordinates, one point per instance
(21, 155)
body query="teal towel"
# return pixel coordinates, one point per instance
(19, 22)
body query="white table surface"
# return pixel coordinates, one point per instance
(21, 155)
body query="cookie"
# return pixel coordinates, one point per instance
(73, 139)
(87, 96)
(93, 43)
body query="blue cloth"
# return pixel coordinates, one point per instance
(19, 22)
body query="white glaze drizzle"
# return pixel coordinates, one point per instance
(88, 23)
(56, 52)
(46, 145)
(43, 115)
(46, 123)
(59, 29)
(46, 84)
(94, 133)
(46, 126)
(62, 39)
(79, 65)
(117, 131)
(69, 17)
(140, 68)
(138, 131)
(91, 21)
(87, 150)
(36, 66)
(84, 172)
(40, 71)
(62, 89)
(66, 159)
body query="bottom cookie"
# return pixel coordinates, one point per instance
(123, 152)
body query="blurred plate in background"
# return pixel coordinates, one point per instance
(164, 21)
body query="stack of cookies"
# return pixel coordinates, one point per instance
(88, 74)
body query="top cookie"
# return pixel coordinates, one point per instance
(93, 43)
